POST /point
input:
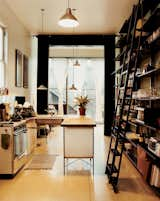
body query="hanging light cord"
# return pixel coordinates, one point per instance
(73, 74)
(68, 3)
(73, 46)
(42, 15)
(73, 53)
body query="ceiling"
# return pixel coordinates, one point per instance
(94, 16)
(79, 51)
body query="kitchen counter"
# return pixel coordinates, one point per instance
(78, 121)
(68, 120)
(78, 135)
(38, 117)
(12, 123)
(47, 116)
(19, 139)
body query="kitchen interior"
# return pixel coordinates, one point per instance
(20, 123)
(39, 85)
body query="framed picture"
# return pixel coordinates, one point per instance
(19, 68)
(25, 71)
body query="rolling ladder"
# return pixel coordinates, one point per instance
(123, 105)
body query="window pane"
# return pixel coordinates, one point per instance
(88, 79)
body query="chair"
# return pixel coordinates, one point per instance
(42, 126)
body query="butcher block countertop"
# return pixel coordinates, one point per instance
(69, 120)
(48, 119)
(78, 121)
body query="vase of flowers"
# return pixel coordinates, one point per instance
(82, 111)
(81, 102)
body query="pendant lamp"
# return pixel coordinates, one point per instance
(76, 64)
(68, 19)
(42, 87)
(42, 23)
(73, 85)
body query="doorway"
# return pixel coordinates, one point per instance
(87, 78)
(108, 41)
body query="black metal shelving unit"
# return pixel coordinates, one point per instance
(127, 76)
(134, 48)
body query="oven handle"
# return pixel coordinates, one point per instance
(20, 132)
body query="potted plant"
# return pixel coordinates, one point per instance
(81, 102)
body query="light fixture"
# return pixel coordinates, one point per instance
(73, 85)
(68, 19)
(42, 87)
(76, 64)
(42, 18)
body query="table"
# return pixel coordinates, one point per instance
(78, 136)
(49, 120)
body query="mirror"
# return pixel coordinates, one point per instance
(25, 71)
(18, 70)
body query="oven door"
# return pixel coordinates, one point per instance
(19, 142)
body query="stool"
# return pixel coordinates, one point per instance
(41, 127)
(42, 130)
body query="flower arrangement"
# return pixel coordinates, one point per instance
(81, 101)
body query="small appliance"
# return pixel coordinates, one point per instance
(154, 145)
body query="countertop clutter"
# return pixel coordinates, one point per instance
(22, 112)
(19, 112)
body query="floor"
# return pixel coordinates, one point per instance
(78, 184)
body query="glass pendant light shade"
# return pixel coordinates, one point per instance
(68, 19)
(76, 64)
(42, 87)
(73, 87)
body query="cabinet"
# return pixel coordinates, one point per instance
(143, 162)
(81, 130)
(31, 135)
(140, 118)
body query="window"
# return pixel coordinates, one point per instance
(88, 81)
(3, 54)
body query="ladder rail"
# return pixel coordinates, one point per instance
(135, 65)
(129, 63)
(124, 57)
(125, 54)
(118, 130)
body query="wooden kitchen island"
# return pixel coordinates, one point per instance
(78, 138)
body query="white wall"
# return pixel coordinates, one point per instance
(33, 73)
(18, 38)
(77, 51)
